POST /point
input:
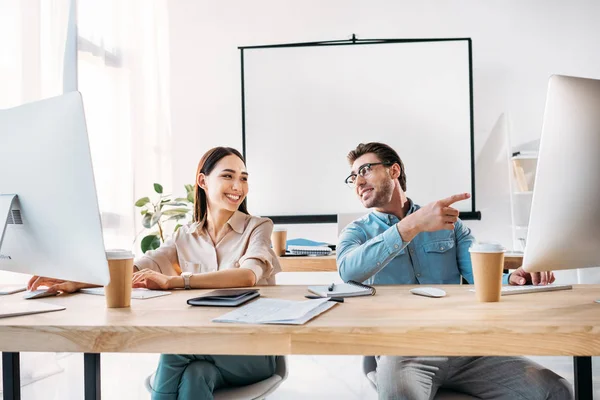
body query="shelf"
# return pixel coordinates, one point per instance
(525, 157)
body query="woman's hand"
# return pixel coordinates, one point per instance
(150, 279)
(56, 285)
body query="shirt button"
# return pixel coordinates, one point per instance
(395, 246)
(418, 275)
(442, 248)
(378, 264)
(412, 251)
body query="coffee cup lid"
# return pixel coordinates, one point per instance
(279, 228)
(486, 247)
(118, 254)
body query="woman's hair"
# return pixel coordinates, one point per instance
(205, 166)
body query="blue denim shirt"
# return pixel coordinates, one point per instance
(371, 250)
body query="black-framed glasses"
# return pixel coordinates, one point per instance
(364, 171)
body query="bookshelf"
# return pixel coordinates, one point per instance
(523, 166)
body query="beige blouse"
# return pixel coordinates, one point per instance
(247, 244)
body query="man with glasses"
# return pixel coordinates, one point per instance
(402, 243)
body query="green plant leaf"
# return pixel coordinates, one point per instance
(182, 200)
(190, 197)
(189, 188)
(155, 218)
(177, 227)
(144, 212)
(146, 221)
(142, 202)
(150, 242)
(176, 204)
(158, 188)
(163, 201)
(174, 211)
(177, 217)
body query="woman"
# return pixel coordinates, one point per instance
(223, 247)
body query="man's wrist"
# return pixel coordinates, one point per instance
(407, 228)
(176, 282)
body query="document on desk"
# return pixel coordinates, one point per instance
(275, 311)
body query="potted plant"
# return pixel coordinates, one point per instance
(156, 214)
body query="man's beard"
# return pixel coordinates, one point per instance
(382, 196)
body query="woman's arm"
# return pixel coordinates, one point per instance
(227, 278)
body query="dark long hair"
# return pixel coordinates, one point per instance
(205, 166)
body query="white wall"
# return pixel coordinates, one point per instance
(516, 46)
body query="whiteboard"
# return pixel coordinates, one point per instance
(306, 107)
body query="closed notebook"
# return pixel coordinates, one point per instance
(350, 289)
(224, 297)
(309, 250)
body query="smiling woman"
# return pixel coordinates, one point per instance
(223, 247)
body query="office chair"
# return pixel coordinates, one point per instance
(256, 391)
(370, 371)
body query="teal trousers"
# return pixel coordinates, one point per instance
(196, 377)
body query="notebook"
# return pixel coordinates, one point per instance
(10, 289)
(224, 297)
(309, 250)
(136, 293)
(275, 311)
(350, 289)
(26, 308)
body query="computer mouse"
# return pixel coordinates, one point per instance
(428, 291)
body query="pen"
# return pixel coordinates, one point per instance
(336, 299)
(330, 288)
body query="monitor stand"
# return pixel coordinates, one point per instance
(7, 203)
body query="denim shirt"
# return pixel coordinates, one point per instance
(371, 250)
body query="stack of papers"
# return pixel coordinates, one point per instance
(274, 311)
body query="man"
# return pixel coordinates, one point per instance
(402, 243)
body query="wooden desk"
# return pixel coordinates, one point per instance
(393, 322)
(327, 263)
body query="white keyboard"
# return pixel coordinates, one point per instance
(508, 290)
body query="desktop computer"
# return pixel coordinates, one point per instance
(49, 217)
(564, 226)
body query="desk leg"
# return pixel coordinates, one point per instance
(11, 380)
(91, 372)
(584, 386)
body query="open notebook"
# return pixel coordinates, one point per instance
(276, 311)
(136, 293)
(350, 289)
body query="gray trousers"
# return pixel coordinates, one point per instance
(514, 378)
(187, 377)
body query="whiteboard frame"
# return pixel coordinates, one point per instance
(332, 218)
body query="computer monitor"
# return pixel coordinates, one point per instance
(49, 218)
(564, 225)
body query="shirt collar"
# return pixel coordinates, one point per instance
(391, 219)
(237, 221)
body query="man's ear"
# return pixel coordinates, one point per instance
(201, 181)
(395, 171)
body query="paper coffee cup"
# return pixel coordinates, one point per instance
(279, 239)
(120, 267)
(487, 260)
